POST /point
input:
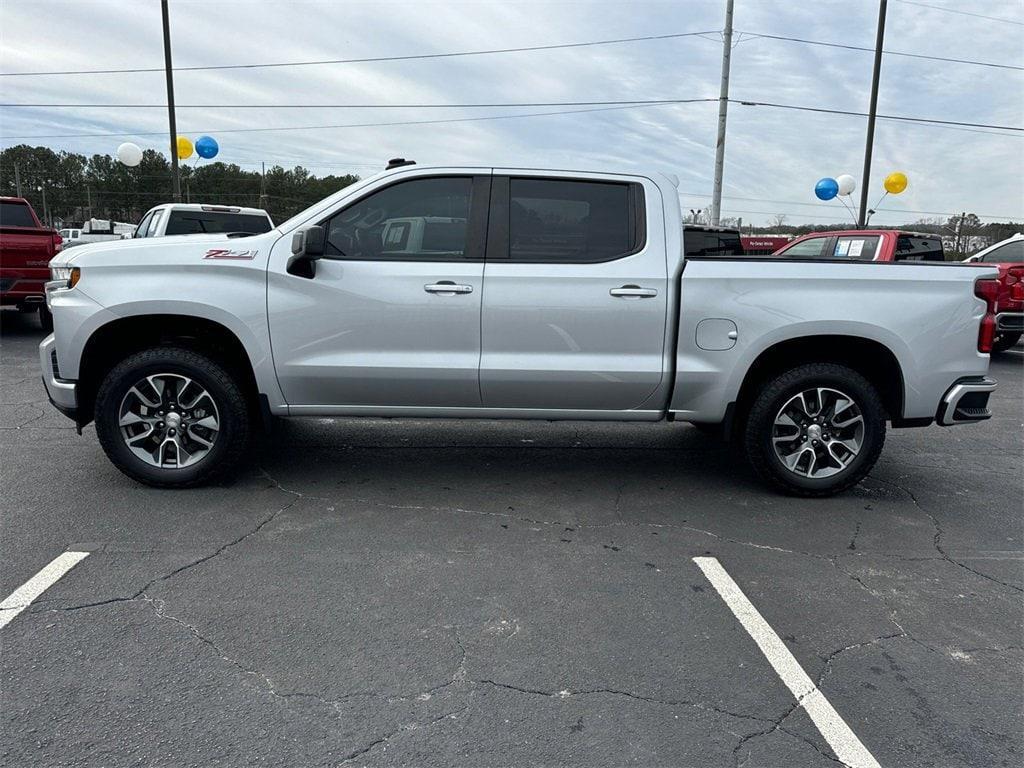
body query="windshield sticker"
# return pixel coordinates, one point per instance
(856, 247)
(842, 247)
(224, 253)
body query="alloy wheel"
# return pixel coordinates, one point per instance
(818, 432)
(169, 420)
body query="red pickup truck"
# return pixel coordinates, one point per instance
(1008, 256)
(866, 245)
(26, 247)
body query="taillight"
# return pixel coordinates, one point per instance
(988, 291)
(1015, 279)
(58, 242)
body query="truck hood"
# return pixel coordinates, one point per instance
(161, 250)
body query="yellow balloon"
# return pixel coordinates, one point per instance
(185, 149)
(894, 183)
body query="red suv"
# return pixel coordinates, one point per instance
(866, 245)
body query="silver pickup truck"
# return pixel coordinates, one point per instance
(507, 293)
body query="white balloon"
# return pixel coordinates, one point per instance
(129, 154)
(846, 184)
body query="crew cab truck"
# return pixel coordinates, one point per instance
(26, 247)
(544, 294)
(1008, 257)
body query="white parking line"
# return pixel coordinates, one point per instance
(837, 733)
(25, 595)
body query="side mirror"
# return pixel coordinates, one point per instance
(307, 249)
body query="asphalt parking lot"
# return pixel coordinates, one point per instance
(505, 594)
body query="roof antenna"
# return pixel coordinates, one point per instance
(398, 162)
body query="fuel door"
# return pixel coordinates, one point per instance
(716, 334)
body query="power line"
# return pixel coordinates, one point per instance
(886, 52)
(626, 103)
(494, 105)
(368, 60)
(962, 13)
(905, 118)
(329, 127)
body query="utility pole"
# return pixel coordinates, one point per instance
(46, 211)
(17, 180)
(723, 109)
(959, 228)
(263, 185)
(170, 101)
(866, 176)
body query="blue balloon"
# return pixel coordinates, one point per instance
(206, 147)
(825, 189)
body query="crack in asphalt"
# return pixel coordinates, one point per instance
(568, 693)
(263, 523)
(937, 538)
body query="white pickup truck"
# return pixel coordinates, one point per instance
(520, 293)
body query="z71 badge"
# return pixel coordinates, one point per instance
(224, 253)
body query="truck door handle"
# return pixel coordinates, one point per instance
(447, 288)
(633, 292)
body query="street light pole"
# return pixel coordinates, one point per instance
(170, 101)
(723, 109)
(866, 176)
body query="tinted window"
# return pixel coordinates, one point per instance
(806, 249)
(418, 219)
(854, 247)
(703, 243)
(16, 215)
(192, 222)
(913, 248)
(1011, 252)
(570, 221)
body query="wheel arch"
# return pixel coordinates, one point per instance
(113, 341)
(869, 357)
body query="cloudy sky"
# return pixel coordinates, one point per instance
(773, 156)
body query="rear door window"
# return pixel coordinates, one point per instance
(913, 248)
(856, 247)
(197, 222)
(16, 215)
(565, 221)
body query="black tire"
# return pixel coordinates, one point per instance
(774, 394)
(233, 409)
(46, 318)
(1005, 341)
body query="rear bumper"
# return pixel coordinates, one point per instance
(62, 393)
(1010, 322)
(966, 401)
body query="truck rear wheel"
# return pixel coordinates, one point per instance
(815, 430)
(171, 417)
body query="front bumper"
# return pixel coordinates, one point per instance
(62, 393)
(966, 401)
(1010, 322)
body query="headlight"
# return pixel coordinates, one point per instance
(65, 277)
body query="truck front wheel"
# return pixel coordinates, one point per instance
(171, 417)
(815, 430)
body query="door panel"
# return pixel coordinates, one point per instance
(382, 329)
(583, 335)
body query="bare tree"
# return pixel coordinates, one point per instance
(778, 220)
